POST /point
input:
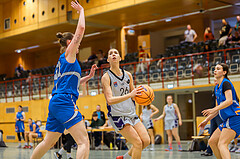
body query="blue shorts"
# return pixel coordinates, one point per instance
(63, 113)
(39, 134)
(19, 127)
(233, 123)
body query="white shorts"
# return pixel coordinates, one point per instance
(170, 124)
(118, 122)
(148, 124)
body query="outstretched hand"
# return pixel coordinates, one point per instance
(76, 6)
(202, 124)
(93, 69)
(208, 112)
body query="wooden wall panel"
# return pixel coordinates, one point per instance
(1, 18)
(53, 4)
(32, 10)
(62, 13)
(43, 6)
(7, 10)
(15, 14)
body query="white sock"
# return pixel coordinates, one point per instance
(26, 143)
(152, 145)
(31, 144)
(61, 151)
(127, 156)
(68, 155)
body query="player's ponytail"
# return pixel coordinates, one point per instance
(225, 68)
(62, 39)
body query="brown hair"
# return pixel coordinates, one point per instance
(225, 68)
(62, 39)
(94, 114)
(148, 106)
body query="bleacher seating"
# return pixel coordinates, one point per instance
(155, 74)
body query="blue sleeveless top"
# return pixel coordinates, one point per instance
(19, 115)
(37, 127)
(231, 110)
(67, 77)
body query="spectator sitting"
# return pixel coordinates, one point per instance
(96, 123)
(30, 76)
(92, 58)
(208, 35)
(101, 114)
(225, 32)
(207, 48)
(161, 62)
(18, 71)
(141, 52)
(144, 62)
(190, 35)
(102, 58)
(237, 28)
(34, 132)
(198, 70)
(108, 135)
(236, 38)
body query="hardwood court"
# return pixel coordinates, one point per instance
(159, 153)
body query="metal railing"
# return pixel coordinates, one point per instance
(157, 72)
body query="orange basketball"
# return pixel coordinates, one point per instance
(147, 96)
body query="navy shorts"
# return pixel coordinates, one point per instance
(233, 123)
(63, 113)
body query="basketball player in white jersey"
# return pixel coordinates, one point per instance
(146, 117)
(172, 118)
(119, 93)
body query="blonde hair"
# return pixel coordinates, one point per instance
(62, 39)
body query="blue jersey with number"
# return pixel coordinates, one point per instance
(231, 110)
(67, 77)
(20, 115)
(37, 127)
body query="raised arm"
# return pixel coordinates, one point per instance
(91, 74)
(77, 38)
(117, 99)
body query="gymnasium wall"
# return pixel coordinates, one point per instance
(176, 28)
(28, 17)
(29, 60)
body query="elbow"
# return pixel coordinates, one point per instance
(109, 102)
(230, 102)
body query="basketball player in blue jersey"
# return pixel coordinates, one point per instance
(19, 126)
(227, 106)
(119, 93)
(63, 112)
(34, 132)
